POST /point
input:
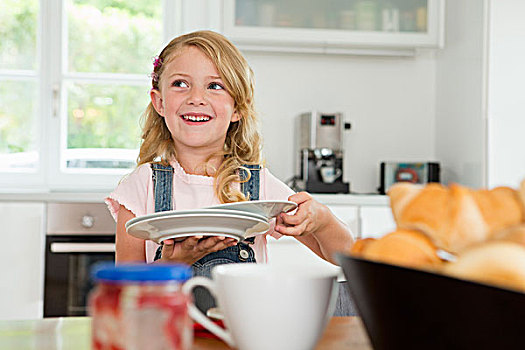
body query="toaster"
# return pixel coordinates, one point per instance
(417, 173)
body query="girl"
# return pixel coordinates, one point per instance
(201, 147)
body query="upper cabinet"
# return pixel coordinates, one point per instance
(333, 26)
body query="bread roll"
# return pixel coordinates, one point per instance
(521, 194)
(455, 217)
(496, 263)
(515, 234)
(359, 246)
(500, 207)
(400, 194)
(466, 225)
(405, 248)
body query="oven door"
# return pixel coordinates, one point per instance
(68, 264)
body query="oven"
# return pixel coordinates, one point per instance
(78, 236)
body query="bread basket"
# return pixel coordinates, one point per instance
(405, 308)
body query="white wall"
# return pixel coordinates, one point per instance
(506, 110)
(480, 115)
(389, 101)
(460, 115)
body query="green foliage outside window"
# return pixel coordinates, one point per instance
(104, 36)
(17, 125)
(117, 37)
(113, 36)
(105, 116)
(18, 24)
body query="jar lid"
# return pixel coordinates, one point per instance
(141, 272)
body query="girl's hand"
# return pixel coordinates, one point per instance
(307, 219)
(315, 226)
(193, 248)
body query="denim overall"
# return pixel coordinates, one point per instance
(242, 252)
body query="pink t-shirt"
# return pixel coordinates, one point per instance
(135, 192)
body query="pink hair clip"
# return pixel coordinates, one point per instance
(155, 77)
(157, 62)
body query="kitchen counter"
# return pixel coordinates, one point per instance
(353, 199)
(72, 197)
(75, 333)
(96, 197)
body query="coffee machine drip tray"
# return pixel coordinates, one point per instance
(339, 187)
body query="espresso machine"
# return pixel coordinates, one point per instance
(320, 140)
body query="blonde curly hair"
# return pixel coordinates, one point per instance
(243, 140)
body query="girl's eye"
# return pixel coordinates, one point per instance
(180, 83)
(216, 86)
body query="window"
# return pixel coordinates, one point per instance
(74, 81)
(19, 123)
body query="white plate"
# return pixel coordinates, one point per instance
(202, 222)
(266, 208)
(203, 211)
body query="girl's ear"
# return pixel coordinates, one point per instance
(235, 117)
(156, 101)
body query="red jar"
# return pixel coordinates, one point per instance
(140, 307)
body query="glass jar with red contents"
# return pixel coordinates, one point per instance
(140, 306)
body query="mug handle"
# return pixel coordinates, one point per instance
(198, 316)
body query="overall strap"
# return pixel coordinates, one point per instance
(250, 188)
(162, 177)
(162, 187)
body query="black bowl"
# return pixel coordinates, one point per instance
(404, 308)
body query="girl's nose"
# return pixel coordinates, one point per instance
(196, 97)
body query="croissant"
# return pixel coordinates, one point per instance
(359, 245)
(455, 217)
(500, 207)
(515, 234)
(401, 247)
(496, 263)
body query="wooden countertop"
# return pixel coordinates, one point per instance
(75, 333)
(346, 333)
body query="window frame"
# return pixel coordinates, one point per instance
(52, 77)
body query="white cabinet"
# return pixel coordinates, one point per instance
(365, 220)
(349, 214)
(375, 221)
(22, 260)
(288, 250)
(366, 216)
(333, 25)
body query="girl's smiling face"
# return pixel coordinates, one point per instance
(195, 105)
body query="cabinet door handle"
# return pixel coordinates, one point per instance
(82, 247)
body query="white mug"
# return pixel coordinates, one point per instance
(269, 306)
(329, 174)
